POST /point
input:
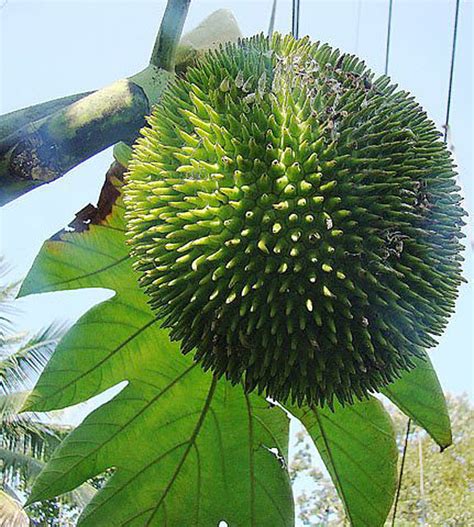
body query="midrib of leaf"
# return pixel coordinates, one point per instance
(92, 250)
(270, 432)
(331, 459)
(92, 273)
(251, 463)
(271, 498)
(144, 469)
(363, 418)
(358, 465)
(192, 441)
(190, 445)
(404, 408)
(354, 437)
(199, 482)
(362, 470)
(221, 445)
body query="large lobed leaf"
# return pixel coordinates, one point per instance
(185, 449)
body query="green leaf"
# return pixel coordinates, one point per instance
(185, 449)
(122, 153)
(357, 444)
(418, 394)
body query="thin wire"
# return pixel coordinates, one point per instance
(295, 18)
(451, 72)
(402, 466)
(298, 19)
(389, 33)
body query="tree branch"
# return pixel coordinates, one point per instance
(164, 50)
(46, 149)
(11, 122)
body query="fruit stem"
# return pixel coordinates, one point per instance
(166, 43)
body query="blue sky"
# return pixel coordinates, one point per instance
(51, 49)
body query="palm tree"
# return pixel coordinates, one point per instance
(27, 440)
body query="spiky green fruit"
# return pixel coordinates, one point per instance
(295, 221)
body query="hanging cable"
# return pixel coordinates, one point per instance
(295, 18)
(451, 71)
(271, 25)
(389, 33)
(298, 19)
(402, 466)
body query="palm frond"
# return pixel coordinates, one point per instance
(8, 291)
(11, 404)
(20, 368)
(28, 441)
(29, 433)
(15, 462)
(11, 512)
(7, 294)
(30, 437)
(18, 465)
(13, 493)
(10, 340)
(10, 408)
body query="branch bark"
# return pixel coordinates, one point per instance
(45, 150)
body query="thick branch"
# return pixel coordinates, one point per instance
(46, 149)
(166, 44)
(11, 122)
